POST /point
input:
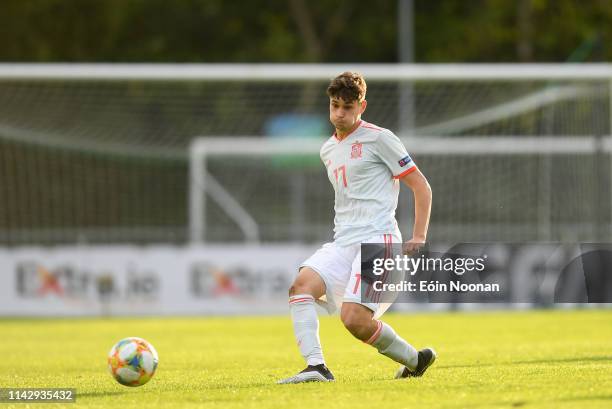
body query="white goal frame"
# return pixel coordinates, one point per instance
(203, 186)
(296, 72)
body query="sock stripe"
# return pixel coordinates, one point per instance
(304, 301)
(375, 334)
(301, 300)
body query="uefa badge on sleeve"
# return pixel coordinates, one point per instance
(404, 161)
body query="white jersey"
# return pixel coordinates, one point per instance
(363, 168)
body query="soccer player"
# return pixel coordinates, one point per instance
(364, 164)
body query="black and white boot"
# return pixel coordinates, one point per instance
(312, 373)
(427, 357)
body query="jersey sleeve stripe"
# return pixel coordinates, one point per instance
(406, 172)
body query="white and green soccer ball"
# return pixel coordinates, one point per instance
(132, 361)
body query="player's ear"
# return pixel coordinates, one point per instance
(364, 104)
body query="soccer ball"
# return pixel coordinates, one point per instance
(132, 361)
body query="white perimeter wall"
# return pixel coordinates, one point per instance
(127, 280)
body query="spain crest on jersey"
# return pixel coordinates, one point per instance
(356, 150)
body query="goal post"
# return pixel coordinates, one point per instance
(202, 184)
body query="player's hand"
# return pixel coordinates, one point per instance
(413, 246)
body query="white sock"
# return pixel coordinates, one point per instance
(388, 343)
(306, 328)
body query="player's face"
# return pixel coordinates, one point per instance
(343, 115)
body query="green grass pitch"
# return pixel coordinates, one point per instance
(537, 359)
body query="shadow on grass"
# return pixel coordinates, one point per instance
(520, 403)
(563, 360)
(580, 398)
(537, 361)
(569, 399)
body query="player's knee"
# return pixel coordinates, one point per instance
(298, 287)
(302, 284)
(355, 323)
(307, 282)
(351, 322)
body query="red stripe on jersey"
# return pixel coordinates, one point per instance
(388, 252)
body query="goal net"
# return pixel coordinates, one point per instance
(218, 153)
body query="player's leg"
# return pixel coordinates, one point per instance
(325, 273)
(359, 318)
(307, 287)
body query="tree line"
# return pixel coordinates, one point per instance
(302, 31)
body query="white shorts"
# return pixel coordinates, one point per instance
(340, 269)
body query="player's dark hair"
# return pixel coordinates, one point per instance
(350, 86)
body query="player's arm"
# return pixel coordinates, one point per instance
(419, 185)
(393, 153)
